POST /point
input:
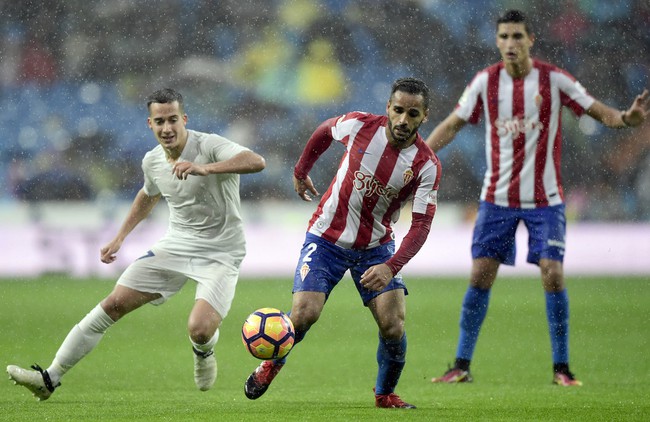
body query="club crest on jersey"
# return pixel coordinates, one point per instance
(407, 176)
(538, 100)
(370, 186)
(304, 270)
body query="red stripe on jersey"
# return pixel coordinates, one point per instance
(543, 142)
(557, 155)
(338, 223)
(493, 110)
(518, 143)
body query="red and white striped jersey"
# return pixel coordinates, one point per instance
(522, 131)
(373, 182)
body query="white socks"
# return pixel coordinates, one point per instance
(80, 341)
(207, 347)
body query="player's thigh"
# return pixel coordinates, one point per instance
(494, 233)
(546, 233)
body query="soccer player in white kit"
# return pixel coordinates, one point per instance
(385, 165)
(521, 99)
(198, 175)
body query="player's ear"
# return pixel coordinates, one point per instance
(149, 122)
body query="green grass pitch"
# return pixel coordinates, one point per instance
(142, 369)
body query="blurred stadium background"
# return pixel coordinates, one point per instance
(74, 75)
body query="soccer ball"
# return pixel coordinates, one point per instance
(268, 334)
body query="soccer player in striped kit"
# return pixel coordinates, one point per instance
(385, 165)
(521, 99)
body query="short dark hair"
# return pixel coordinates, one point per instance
(515, 16)
(165, 96)
(413, 86)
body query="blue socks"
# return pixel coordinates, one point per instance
(475, 305)
(391, 357)
(557, 313)
(299, 335)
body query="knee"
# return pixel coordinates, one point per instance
(114, 307)
(200, 331)
(304, 315)
(202, 327)
(552, 276)
(392, 329)
(484, 272)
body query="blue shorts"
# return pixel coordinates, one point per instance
(494, 233)
(322, 265)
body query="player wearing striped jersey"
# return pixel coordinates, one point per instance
(198, 175)
(520, 99)
(385, 165)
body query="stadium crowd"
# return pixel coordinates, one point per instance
(74, 75)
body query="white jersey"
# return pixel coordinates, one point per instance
(204, 211)
(523, 131)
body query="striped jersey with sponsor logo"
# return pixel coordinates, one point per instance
(373, 182)
(522, 131)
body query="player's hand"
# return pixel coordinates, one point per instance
(182, 169)
(107, 253)
(303, 186)
(638, 112)
(377, 277)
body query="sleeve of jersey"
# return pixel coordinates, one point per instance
(470, 105)
(318, 143)
(424, 208)
(572, 93)
(149, 186)
(412, 242)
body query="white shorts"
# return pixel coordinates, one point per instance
(166, 273)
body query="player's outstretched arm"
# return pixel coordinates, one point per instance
(445, 132)
(633, 116)
(140, 209)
